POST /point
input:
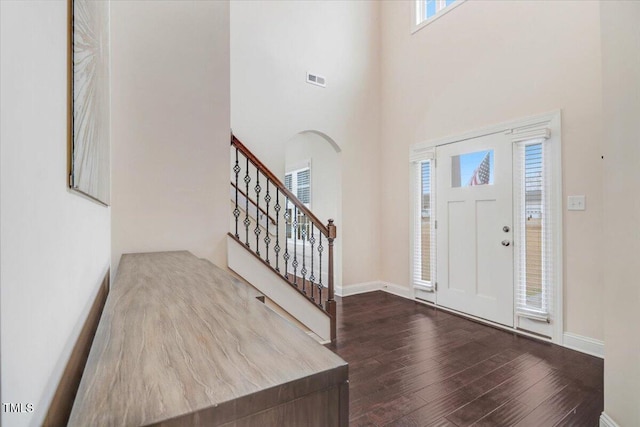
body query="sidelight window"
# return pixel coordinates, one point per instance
(534, 225)
(423, 239)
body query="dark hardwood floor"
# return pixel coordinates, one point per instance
(412, 365)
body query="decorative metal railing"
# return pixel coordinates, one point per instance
(273, 224)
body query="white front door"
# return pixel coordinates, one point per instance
(474, 229)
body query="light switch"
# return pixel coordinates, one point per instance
(576, 203)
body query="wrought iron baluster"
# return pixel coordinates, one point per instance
(312, 277)
(276, 248)
(247, 221)
(267, 238)
(303, 271)
(294, 232)
(236, 211)
(320, 249)
(287, 223)
(257, 230)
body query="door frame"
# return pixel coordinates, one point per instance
(518, 128)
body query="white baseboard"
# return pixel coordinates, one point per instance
(358, 288)
(398, 290)
(584, 344)
(607, 421)
(361, 288)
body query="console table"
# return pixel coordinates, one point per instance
(182, 342)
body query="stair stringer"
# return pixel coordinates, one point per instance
(263, 278)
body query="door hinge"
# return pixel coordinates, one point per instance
(435, 224)
(435, 286)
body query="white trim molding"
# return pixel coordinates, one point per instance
(358, 288)
(607, 421)
(584, 344)
(401, 291)
(361, 288)
(530, 121)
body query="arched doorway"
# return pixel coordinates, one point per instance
(313, 172)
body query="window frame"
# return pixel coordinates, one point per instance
(294, 182)
(526, 318)
(417, 159)
(290, 206)
(418, 11)
(520, 231)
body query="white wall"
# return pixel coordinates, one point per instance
(55, 244)
(621, 95)
(273, 45)
(170, 127)
(320, 154)
(484, 63)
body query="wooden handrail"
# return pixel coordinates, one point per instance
(276, 181)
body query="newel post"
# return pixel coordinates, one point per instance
(331, 303)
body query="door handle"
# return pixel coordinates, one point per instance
(506, 243)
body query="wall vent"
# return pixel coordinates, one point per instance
(317, 80)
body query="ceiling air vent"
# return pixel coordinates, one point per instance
(317, 80)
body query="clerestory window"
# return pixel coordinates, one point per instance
(426, 11)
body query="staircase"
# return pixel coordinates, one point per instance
(279, 246)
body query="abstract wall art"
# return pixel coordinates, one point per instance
(89, 99)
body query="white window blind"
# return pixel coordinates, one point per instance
(303, 190)
(288, 181)
(423, 224)
(534, 230)
(299, 183)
